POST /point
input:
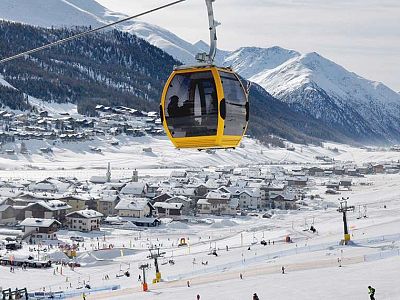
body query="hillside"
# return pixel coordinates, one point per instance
(109, 68)
(117, 68)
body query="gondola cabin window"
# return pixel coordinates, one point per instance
(191, 105)
(235, 101)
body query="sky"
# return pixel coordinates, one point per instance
(361, 35)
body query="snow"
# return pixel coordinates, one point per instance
(77, 160)
(5, 83)
(35, 222)
(53, 108)
(310, 261)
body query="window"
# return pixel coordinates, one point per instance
(236, 104)
(191, 106)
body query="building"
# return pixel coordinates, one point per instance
(217, 203)
(169, 210)
(7, 214)
(134, 189)
(106, 204)
(84, 220)
(52, 209)
(187, 203)
(40, 229)
(77, 202)
(249, 199)
(134, 207)
(284, 201)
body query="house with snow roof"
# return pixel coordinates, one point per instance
(134, 189)
(217, 203)
(38, 229)
(84, 220)
(134, 207)
(7, 214)
(187, 203)
(169, 210)
(52, 209)
(107, 202)
(283, 200)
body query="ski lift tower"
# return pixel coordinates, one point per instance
(344, 209)
(144, 267)
(155, 255)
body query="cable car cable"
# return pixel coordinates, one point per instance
(87, 32)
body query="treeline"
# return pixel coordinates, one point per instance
(13, 99)
(112, 65)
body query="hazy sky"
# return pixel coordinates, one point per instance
(361, 35)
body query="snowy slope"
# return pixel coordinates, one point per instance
(4, 82)
(252, 61)
(47, 13)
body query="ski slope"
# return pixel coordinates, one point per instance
(311, 261)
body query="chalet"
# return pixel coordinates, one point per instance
(218, 204)
(338, 171)
(106, 204)
(84, 220)
(161, 198)
(346, 182)
(134, 189)
(316, 171)
(186, 202)
(169, 210)
(284, 201)
(53, 209)
(40, 229)
(333, 185)
(352, 172)
(77, 202)
(187, 192)
(179, 174)
(378, 168)
(297, 181)
(249, 199)
(43, 186)
(7, 214)
(134, 207)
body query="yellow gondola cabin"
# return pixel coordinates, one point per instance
(204, 107)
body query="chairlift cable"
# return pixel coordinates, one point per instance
(88, 32)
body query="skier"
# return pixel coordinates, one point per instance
(371, 292)
(283, 270)
(255, 297)
(198, 297)
(241, 276)
(188, 283)
(84, 296)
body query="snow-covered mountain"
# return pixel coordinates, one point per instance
(360, 108)
(316, 85)
(251, 61)
(47, 13)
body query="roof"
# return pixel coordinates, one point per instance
(53, 205)
(109, 198)
(218, 195)
(36, 222)
(203, 201)
(168, 205)
(134, 188)
(86, 213)
(4, 207)
(132, 204)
